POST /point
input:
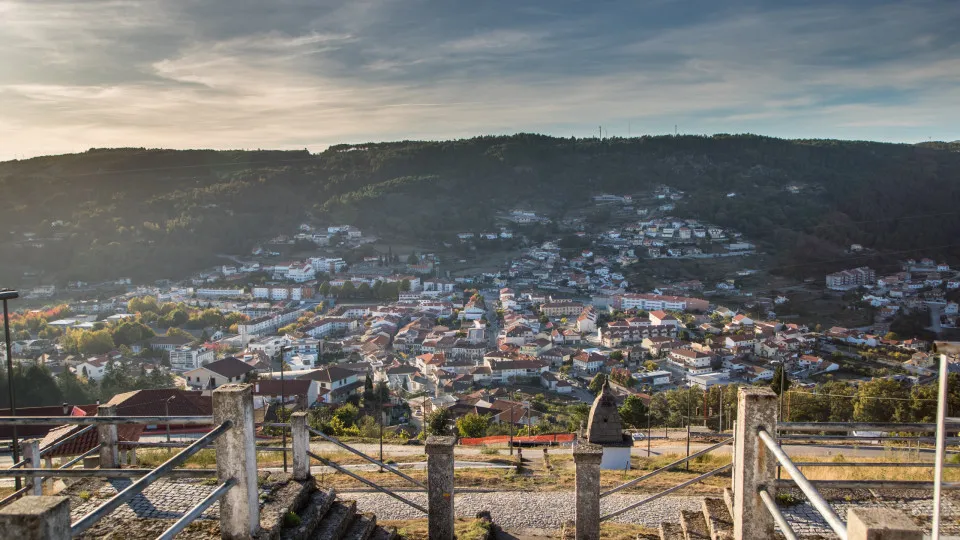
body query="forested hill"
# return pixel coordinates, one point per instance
(162, 213)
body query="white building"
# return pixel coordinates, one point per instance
(187, 358)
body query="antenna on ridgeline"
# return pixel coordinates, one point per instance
(675, 132)
(601, 133)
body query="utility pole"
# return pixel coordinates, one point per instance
(648, 433)
(8, 294)
(166, 409)
(688, 432)
(721, 409)
(511, 428)
(379, 390)
(283, 349)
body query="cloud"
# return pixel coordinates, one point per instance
(295, 74)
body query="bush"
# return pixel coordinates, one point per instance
(291, 520)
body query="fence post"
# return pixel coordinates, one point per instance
(237, 459)
(109, 452)
(754, 466)
(587, 458)
(36, 518)
(31, 453)
(440, 518)
(880, 524)
(301, 445)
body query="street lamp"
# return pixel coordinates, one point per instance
(284, 349)
(10, 294)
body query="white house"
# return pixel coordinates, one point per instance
(93, 368)
(186, 358)
(216, 374)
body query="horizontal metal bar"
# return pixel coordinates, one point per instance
(869, 464)
(817, 500)
(65, 440)
(867, 484)
(665, 468)
(273, 449)
(366, 457)
(87, 521)
(910, 427)
(865, 438)
(103, 473)
(102, 420)
(274, 424)
(138, 444)
(195, 512)
(668, 491)
(16, 494)
(77, 459)
(374, 485)
(778, 518)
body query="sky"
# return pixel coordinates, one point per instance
(294, 74)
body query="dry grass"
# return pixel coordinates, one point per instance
(416, 529)
(894, 473)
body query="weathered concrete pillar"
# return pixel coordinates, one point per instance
(301, 445)
(109, 449)
(48, 464)
(587, 458)
(237, 459)
(440, 487)
(880, 524)
(132, 455)
(31, 453)
(754, 466)
(36, 518)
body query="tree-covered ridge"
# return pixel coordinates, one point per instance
(162, 213)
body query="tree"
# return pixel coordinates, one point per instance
(633, 412)
(413, 259)
(780, 381)
(596, 384)
(130, 332)
(437, 422)
(347, 414)
(650, 365)
(881, 400)
(96, 342)
(616, 355)
(324, 288)
(472, 425)
(348, 290)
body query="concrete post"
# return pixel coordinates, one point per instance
(440, 517)
(587, 458)
(132, 454)
(237, 459)
(880, 524)
(301, 445)
(754, 466)
(36, 518)
(31, 453)
(48, 464)
(109, 449)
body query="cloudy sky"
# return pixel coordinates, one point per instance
(76, 74)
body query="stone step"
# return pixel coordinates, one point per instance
(311, 515)
(336, 522)
(362, 528)
(671, 531)
(384, 533)
(694, 525)
(718, 518)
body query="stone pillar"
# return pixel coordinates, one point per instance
(754, 466)
(132, 455)
(237, 459)
(48, 464)
(301, 445)
(440, 487)
(109, 449)
(880, 524)
(31, 453)
(36, 518)
(587, 458)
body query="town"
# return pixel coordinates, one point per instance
(549, 326)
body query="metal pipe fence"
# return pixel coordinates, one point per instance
(366, 457)
(197, 510)
(817, 500)
(363, 480)
(104, 420)
(665, 468)
(668, 491)
(778, 517)
(137, 487)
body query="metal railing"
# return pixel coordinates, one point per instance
(666, 468)
(339, 468)
(197, 510)
(668, 491)
(817, 500)
(372, 460)
(135, 488)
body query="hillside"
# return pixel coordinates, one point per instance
(149, 214)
